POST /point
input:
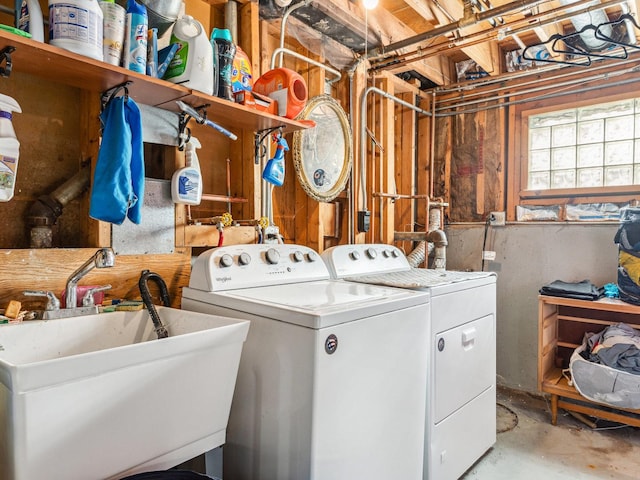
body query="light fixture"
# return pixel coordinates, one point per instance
(370, 4)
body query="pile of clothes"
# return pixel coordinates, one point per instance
(584, 290)
(617, 346)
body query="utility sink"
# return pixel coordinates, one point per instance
(100, 397)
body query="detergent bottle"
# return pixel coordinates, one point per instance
(186, 183)
(30, 19)
(9, 148)
(274, 170)
(225, 50)
(192, 64)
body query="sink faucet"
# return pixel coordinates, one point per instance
(103, 258)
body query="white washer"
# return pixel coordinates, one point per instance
(331, 384)
(460, 415)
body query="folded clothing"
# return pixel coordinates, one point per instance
(584, 290)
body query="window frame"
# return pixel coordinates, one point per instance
(519, 161)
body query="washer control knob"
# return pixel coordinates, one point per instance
(244, 259)
(297, 256)
(386, 253)
(273, 256)
(355, 255)
(226, 260)
(371, 253)
(395, 253)
(312, 257)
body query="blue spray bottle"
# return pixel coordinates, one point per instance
(274, 170)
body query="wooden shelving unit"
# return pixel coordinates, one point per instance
(62, 66)
(562, 323)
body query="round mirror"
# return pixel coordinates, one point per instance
(322, 155)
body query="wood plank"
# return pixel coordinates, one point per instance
(208, 235)
(48, 269)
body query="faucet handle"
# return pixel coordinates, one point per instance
(88, 300)
(52, 301)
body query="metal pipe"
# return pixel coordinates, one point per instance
(541, 97)
(432, 147)
(482, 36)
(285, 16)
(299, 56)
(363, 131)
(550, 86)
(231, 19)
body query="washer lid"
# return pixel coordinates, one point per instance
(314, 304)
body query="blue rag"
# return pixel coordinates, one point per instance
(118, 181)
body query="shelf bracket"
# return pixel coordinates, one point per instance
(184, 132)
(5, 55)
(259, 137)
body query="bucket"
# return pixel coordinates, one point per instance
(192, 64)
(76, 25)
(285, 86)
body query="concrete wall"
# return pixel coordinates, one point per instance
(529, 256)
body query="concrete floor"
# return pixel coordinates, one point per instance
(530, 448)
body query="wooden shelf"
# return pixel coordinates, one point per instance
(562, 323)
(63, 66)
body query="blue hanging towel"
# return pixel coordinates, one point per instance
(118, 181)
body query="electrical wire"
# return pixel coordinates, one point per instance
(484, 240)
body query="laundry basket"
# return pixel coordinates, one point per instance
(604, 384)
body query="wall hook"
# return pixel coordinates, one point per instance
(110, 93)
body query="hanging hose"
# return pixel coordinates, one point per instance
(147, 275)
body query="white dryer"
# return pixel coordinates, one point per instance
(331, 384)
(460, 412)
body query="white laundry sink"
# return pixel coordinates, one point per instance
(100, 397)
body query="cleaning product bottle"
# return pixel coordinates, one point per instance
(113, 28)
(30, 19)
(77, 26)
(225, 51)
(9, 148)
(186, 183)
(274, 170)
(135, 38)
(192, 65)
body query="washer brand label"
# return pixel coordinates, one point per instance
(331, 344)
(223, 279)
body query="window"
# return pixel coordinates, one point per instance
(591, 146)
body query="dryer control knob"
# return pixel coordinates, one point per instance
(244, 259)
(297, 256)
(355, 255)
(386, 253)
(371, 253)
(395, 253)
(273, 256)
(226, 260)
(312, 257)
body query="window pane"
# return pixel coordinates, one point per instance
(556, 118)
(607, 110)
(590, 177)
(618, 175)
(539, 160)
(539, 181)
(562, 158)
(590, 155)
(636, 174)
(539, 138)
(562, 135)
(590, 132)
(619, 128)
(563, 179)
(618, 153)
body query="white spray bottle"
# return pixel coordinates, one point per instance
(186, 183)
(9, 148)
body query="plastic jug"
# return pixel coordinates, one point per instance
(285, 86)
(192, 64)
(86, 37)
(9, 148)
